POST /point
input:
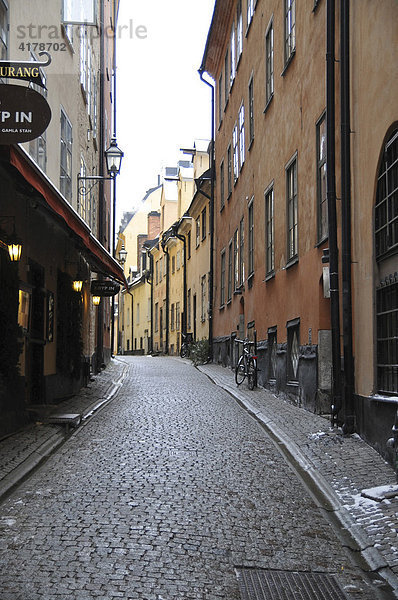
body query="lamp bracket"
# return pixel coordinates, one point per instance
(83, 190)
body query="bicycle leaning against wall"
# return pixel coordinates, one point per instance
(246, 365)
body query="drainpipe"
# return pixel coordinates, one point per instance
(150, 349)
(349, 373)
(213, 174)
(166, 252)
(332, 217)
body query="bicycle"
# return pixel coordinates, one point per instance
(246, 366)
(185, 350)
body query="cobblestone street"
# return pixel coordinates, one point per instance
(162, 495)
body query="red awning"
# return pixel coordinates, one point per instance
(20, 160)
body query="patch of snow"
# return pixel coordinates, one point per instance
(316, 436)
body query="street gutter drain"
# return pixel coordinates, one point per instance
(256, 584)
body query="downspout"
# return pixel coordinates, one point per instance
(150, 349)
(332, 217)
(213, 173)
(100, 312)
(184, 299)
(349, 373)
(166, 252)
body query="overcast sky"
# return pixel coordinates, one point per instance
(162, 104)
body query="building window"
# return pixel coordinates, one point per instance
(269, 63)
(272, 347)
(156, 317)
(242, 252)
(236, 152)
(292, 210)
(251, 110)
(290, 29)
(172, 317)
(157, 272)
(321, 179)
(229, 158)
(203, 297)
(189, 244)
(178, 316)
(160, 269)
(220, 100)
(66, 157)
(178, 260)
(230, 257)
(204, 217)
(293, 349)
(386, 210)
(226, 78)
(269, 231)
(222, 186)
(38, 151)
(137, 311)
(233, 54)
(239, 30)
(387, 342)
(3, 31)
(236, 260)
(197, 231)
(251, 237)
(189, 309)
(250, 11)
(83, 57)
(222, 284)
(241, 135)
(173, 265)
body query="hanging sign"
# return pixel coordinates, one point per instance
(26, 70)
(79, 12)
(24, 114)
(104, 288)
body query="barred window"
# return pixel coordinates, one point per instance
(386, 211)
(387, 335)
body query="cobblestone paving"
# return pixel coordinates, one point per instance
(159, 497)
(348, 464)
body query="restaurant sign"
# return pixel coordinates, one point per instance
(24, 114)
(104, 288)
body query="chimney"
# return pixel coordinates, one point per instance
(153, 224)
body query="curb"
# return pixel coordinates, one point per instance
(321, 490)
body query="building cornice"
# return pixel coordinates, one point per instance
(217, 36)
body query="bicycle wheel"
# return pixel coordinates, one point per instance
(184, 351)
(252, 374)
(240, 372)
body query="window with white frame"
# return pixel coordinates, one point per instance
(66, 157)
(321, 179)
(197, 231)
(229, 171)
(178, 260)
(3, 31)
(226, 78)
(230, 261)
(251, 236)
(269, 231)
(203, 297)
(233, 55)
(242, 251)
(250, 11)
(292, 209)
(239, 30)
(251, 110)
(235, 141)
(236, 259)
(83, 57)
(222, 185)
(241, 135)
(269, 63)
(290, 29)
(222, 282)
(220, 107)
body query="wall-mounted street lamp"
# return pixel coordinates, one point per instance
(10, 242)
(122, 255)
(96, 300)
(113, 157)
(77, 285)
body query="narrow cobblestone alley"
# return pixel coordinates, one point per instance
(162, 495)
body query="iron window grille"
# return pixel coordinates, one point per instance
(387, 335)
(386, 210)
(293, 349)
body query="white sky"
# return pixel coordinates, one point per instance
(162, 105)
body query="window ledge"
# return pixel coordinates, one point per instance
(268, 103)
(321, 242)
(222, 307)
(238, 291)
(269, 276)
(250, 280)
(226, 103)
(249, 26)
(229, 302)
(222, 207)
(251, 144)
(288, 62)
(229, 196)
(293, 261)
